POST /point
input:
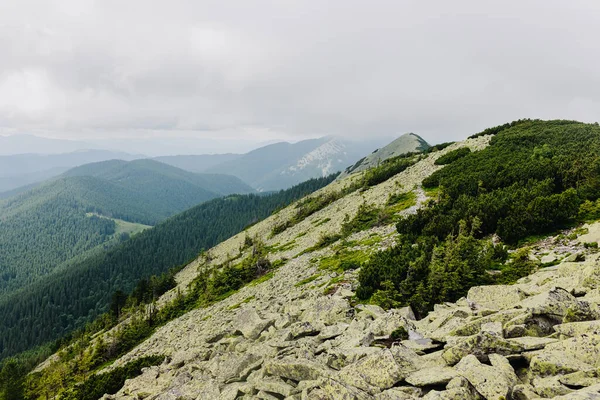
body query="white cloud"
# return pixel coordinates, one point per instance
(290, 69)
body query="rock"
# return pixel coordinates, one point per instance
(480, 345)
(590, 393)
(408, 361)
(555, 363)
(503, 367)
(549, 387)
(473, 326)
(524, 392)
(431, 376)
(493, 328)
(575, 257)
(332, 331)
(378, 371)
(586, 349)
(581, 379)
(302, 329)
(393, 394)
(334, 390)
(486, 379)
(529, 343)
(496, 297)
(328, 312)
(453, 394)
(275, 385)
(421, 346)
(578, 328)
(297, 369)
(250, 324)
(553, 303)
(549, 258)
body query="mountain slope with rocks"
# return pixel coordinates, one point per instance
(299, 329)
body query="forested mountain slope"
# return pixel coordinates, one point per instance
(47, 226)
(68, 298)
(345, 293)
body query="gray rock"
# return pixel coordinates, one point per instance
(485, 379)
(250, 324)
(373, 373)
(432, 376)
(496, 297)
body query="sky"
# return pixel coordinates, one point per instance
(241, 73)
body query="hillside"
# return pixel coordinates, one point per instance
(80, 291)
(431, 275)
(282, 165)
(20, 170)
(46, 227)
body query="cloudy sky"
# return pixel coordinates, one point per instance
(252, 71)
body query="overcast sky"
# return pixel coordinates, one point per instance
(253, 71)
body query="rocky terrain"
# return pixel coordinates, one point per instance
(299, 334)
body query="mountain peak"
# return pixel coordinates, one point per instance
(406, 143)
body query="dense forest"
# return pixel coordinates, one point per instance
(534, 178)
(67, 299)
(48, 226)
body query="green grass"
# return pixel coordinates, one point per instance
(307, 280)
(321, 222)
(400, 202)
(245, 301)
(344, 261)
(432, 193)
(130, 228)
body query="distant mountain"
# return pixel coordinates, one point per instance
(282, 165)
(21, 144)
(25, 169)
(89, 208)
(406, 143)
(146, 176)
(197, 163)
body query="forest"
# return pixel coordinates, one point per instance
(535, 177)
(53, 225)
(68, 299)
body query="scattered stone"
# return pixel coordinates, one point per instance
(297, 369)
(378, 371)
(480, 345)
(250, 324)
(431, 376)
(486, 379)
(496, 297)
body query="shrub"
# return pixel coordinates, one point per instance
(452, 156)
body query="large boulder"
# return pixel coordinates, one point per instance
(373, 373)
(297, 369)
(480, 345)
(495, 297)
(435, 376)
(250, 324)
(492, 382)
